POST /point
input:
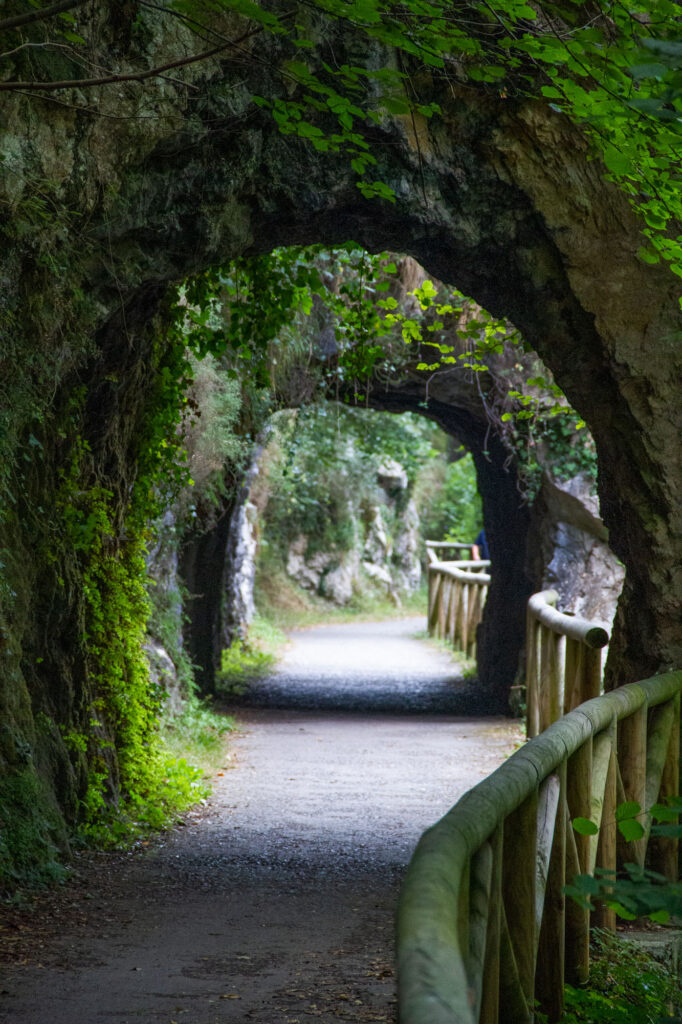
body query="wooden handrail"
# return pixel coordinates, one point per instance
(563, 661)
(457, 594)
(589, 633)
(432, 546)
(484, 928)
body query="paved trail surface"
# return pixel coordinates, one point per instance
(274, 904)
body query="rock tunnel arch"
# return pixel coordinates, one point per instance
(493, 216)
(208, 555)
(497, 198)
(502, 202)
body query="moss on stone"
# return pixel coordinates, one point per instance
(33, 842)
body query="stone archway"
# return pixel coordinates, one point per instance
(512, 213)
(498, 198)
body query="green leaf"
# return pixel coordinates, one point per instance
(664, 812)
(630, 829)
(378, 189)
(297, 68)
(309, 131)
(395, 105)
(647, 256)
(629, 809)
(622, 911)
(585, 827)
(665, 48)
(411, 331)
(670, 831)
(617, 161)
(639, 71)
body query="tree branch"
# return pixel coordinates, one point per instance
(46, 12)
(135, 76)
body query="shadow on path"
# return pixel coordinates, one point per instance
(366, 668)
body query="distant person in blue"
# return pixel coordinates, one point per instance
(479, 549)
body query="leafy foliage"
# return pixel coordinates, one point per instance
(639, 892)
(615, 70)
(627, 986)
(448, 501)
(325, 472)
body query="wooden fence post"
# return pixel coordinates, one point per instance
(663, 849)
(578, 793)
(604, 917)
(573, 673)
(518, 896)
(591, 674)
(632, 764)
(490, 981)
(549, 973)
(532, 676)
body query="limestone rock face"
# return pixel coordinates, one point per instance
(379, 573)
(392, 477)
(386, 542)
(244, 571)
(333, 575)
(340, 582)
(164, 675)
(407, 570)
(307, 570)
(377, 544)
(570, 540)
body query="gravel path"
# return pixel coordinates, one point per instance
(275, 903)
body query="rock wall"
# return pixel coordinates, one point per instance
(385, 548)
(568, 548)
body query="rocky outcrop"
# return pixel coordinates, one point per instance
(568, 548)
(386, 546)
(164, 677)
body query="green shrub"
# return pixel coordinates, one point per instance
(627, 986)
(448, 501)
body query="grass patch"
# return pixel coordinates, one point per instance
(199, 736)
(468, 665)
(183, 755)
(287, 606)
(250, 658)
(627, 986)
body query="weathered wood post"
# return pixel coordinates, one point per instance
(606, 852)
(549, 972)
(457, 592)
(563, 662)
(663, 743)
(579, 792)
(632, 763)
(517, 984)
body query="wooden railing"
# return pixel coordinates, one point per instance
(434, 546)
(457, 593)
(484, 927)
(563, 661)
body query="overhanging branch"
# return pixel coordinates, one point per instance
(135, 76)
(25, 19)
